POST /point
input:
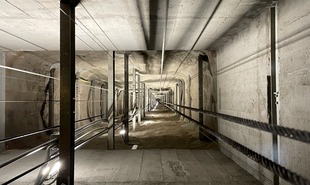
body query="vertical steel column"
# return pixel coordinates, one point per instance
(183, 95)
(273, 91)
(200, 95)
(126, 99)
(111, 100)
(2, 97)
(176, 96)
(146, 99)
(139, 100)
(143, 98)
(106, 102)
(134, 99)
(67, 94)
(51, 98)
(149, 100)
(171, 96)
(92, 90)
(116, 99)
(77, 97)
(189, 94)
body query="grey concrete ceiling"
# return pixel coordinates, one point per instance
(120, 24)
(128, 25)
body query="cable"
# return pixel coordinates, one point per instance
(299, 135)
(98, 25)
(27, 72)
(276, 168)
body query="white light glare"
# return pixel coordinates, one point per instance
(55, 168)
(46, 170)
(122, 131)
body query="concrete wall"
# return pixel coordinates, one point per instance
(2, 97)
(243, 67)
(24, 95)
(294, 81)
(209, 89)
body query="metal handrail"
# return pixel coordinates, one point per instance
(30, 170)
(85, 134)
(29, 152)
(105, 130)
(84, 127)
(53, 141)
(27, 134)
(84, 119)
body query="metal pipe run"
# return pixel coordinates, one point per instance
(163, 47)
(28, 171)
(29, 152)
(84, 127)
(85, 134)
(27, 134)
(85, 119)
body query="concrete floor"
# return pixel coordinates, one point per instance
(169, 152)
(160, 129)
(165, 166)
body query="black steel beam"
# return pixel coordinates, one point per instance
(177, 96)
(51, 98)
(200, 96)
(126, 99)
(149, 100)
(143, 99)
(273, 86)
(111, 100)
(67, 92)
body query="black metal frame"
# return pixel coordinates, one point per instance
(200, 96)
(273, 86)
(67, 91)
(126, 99)
(111, 101)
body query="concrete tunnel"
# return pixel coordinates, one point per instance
(155, 92)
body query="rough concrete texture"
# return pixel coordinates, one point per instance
(242, 90)
(91, 70)
(24, 97)
(123, 25)
(243, 66)
(160, 129)
(142, 167)
(294, 81)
